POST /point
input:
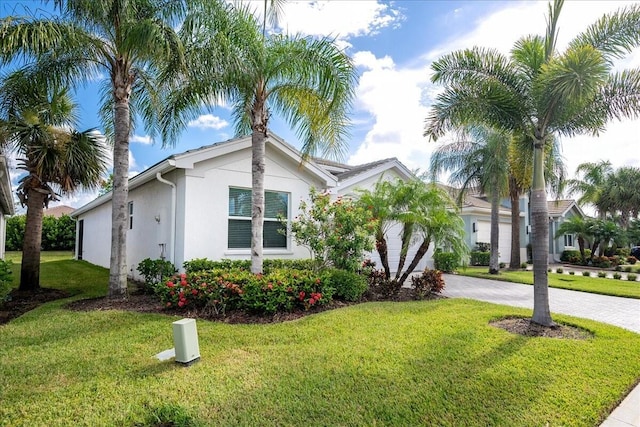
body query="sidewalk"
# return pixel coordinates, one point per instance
(623, 312)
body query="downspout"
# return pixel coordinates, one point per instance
(172, 238)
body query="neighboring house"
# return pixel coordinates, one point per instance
(197, 204)
(6, 201)
(58, 211)
(559, 212)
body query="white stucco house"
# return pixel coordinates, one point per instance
(197, 204)
(6, 202)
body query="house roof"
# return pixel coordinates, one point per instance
(559, 208)
(58, 211)
(188, 159)
(473, 202)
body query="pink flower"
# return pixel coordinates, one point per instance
(170, 284)
(168, 304)
(180, 303)
(183, 276)
(194, 292)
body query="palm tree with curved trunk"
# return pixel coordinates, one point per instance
(125, 43)
(538, 92)
(36, 123)
(308, 82)
(478, 160)
(582, 230)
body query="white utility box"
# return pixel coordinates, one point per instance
(185, 341)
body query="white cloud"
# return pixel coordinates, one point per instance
(142, 139)
(397, 97)
(208, 121)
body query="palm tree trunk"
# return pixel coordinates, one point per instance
(514, 195)
(258, 140)
(494, 260)
(119, 214)
(30, 268)
(540, 239)
(420, 253)
(383, 251)
(407, 232)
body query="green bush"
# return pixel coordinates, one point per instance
(631, 277)
(586, 274)
(204, 264)
(523, 265)
(428, 283)
(480, 258)
(572, 273)
(58, 234)
(628, 269)
(446, 261)
(15, 232)
(631, 260)
(602, 274)
(281, 290)
(348, 286)
(571, 256)
(5, 279)
(559, 270)
(617, 276)
(154, 272)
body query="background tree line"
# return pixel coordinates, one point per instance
(58, 234)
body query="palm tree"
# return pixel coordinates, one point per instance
(581, 228)
(539, 92)
(478, 161)
(37, 123)
(621, 194)
(129, 42)
(591, 184)
(308, 82)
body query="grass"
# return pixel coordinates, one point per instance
(596, 285)
(417, 363)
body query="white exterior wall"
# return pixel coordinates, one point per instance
(206, 202)
(96, 242)
(504, 237)
(394, 241)
(3, 234)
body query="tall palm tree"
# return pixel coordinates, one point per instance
(125, 43)
(538, 92)
(478, 160)
(621, 194)
(308, 82)
(37, 123)
(591, 183)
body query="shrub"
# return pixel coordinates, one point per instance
(57, 233)
(282, 290)
(571, 256)
(602, 274)
(428, 283)
(632, 260)
(559, 270)
(628, 269)
(502, 265)
(617, 276)
(5, 279)
(338, 233)
(446, 261)
(523, 265)
(602, 262)
(572, 273)
(154, 272)
(632, 277)
(483, 247)
(480, 258)
(380, 286)
(618, 268)
(347, 285)
(204, 264)
(586, 274)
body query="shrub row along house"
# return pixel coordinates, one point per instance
(197, 204)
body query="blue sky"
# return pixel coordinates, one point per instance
(393, 44)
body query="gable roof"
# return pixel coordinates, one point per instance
(189, 158)
(559, 208)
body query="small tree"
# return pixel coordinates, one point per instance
(338, 233)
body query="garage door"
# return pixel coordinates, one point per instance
(504, 238)
(394, 245)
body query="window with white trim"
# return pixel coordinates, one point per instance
(130, 210)
(239, 233)
(568, 240)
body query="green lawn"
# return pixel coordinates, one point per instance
(417, 363)
(596, 285)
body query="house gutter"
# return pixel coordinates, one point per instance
(172, 238)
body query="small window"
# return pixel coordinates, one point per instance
(130, 208)
(568, 240)
(239, 233)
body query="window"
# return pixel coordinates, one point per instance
(568, 240)
(130, 208)
(276, 206)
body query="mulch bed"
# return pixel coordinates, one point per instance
(22, 302)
